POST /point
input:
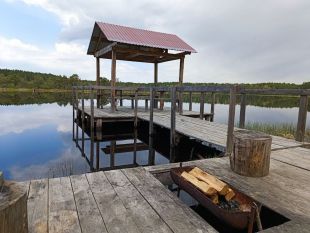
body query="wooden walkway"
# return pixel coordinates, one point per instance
(133, 200)
(209, 133)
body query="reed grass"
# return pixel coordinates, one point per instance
(286, 130)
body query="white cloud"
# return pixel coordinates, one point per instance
(237, 41)
(13, 120)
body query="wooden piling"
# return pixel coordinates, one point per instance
(190, 106)
(172, 124)
(97, 155)
(151, 129)
(113, 80)
(231, 120)
(121, 98)
(146, 104)
(212, 106)
(76, 124)
(242, 111)
(136, 110)
(202, 104)
(92, 126)
(83, 122)
(73, 114)
(302, 118)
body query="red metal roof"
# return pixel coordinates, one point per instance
(129, 35)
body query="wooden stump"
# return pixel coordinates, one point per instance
(251, 153)
(13, 207)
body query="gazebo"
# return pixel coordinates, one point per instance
(117, 42)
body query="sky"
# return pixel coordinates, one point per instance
(237, 41)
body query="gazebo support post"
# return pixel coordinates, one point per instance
(181, 74)
(113, 80)
(98, 80)
(155, 82)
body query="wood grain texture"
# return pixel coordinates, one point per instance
(38, 206)
(89, 215)
(142, 213)
(251, 153)
(63, 215)
(115, 215)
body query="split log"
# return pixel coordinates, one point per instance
(230, 194)
(13, 207)
(215, 199)
(251, 154)
(214, 182)
(204, 187)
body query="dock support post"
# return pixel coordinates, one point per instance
(136, 109)
(113, 80)
(97, 155)
(212, 106)
(231, 120)
(190, 107)
(202, 104)
(161, 101)
(83, 123)
(146, 104)
(112, 153)
(76, 123)
(242, 111)
(302, 118)
(135, 146)
(172, 125)
(151, 129)
(121, 98)
(92, 127)
(73, 114)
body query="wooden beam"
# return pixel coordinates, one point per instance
(242, 111)
(172, 124)
(181, 72)
(212, 106)
(105, 50)
(155, 72)
(302, 118)
(113, 80)
(98, 79)
(231, 120)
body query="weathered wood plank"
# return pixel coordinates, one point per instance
(88, 212)
(176, 214)
(62, 214)
(115, 215)
(142, 213)
(37, 206)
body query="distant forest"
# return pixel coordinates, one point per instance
(18, 79)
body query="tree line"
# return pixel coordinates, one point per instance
(19, 79)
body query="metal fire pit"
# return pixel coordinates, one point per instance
(234, 218)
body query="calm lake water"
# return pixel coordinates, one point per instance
(36, 133)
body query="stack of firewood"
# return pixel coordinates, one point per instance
(209, 185)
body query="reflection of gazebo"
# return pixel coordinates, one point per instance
(113, 42)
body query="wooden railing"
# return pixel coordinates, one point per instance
(175, 97)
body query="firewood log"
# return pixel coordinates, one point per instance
(215, 199)
(230, 194)
(204, 187)
(214, 182)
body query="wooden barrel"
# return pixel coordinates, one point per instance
(13, 207)
(251, 153)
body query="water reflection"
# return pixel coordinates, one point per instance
(36, 137)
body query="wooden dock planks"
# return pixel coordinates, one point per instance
(210, 133)
(112, 201)
(133, 200)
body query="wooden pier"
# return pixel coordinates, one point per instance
(137, 200)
